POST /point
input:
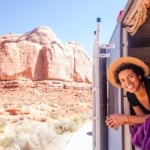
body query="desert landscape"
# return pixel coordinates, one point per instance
(45, 90)
(39, 117)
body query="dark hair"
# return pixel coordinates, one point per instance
(136, 69)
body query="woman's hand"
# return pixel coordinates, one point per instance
(116, 120)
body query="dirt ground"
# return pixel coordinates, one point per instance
(39, 102)
(24, 109)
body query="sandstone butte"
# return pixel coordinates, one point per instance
(40, 76)
(40, 55)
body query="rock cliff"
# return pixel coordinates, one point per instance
(40, 55)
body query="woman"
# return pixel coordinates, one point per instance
(131, 74)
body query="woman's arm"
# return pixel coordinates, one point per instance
(138, 119)
(117, 120)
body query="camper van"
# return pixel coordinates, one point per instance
(131, 37)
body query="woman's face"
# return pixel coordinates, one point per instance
(129, 80)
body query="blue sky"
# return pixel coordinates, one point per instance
(69, 19)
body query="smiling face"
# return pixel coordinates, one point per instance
(129, 80)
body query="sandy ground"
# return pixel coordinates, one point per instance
(38, 105)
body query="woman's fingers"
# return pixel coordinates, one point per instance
(115, 120)
(112, 122)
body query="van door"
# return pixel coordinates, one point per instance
(115, 137)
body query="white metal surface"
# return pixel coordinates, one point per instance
(96, 113)
(97, 138)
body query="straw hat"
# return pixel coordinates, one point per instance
(112, 68)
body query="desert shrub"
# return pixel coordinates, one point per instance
(80, 118)
(2, 125)
(54, 115)
(6, 142)
(28, 136)
(65, 125)
(35, 136)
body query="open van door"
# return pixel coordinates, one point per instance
(131, 37)
(114, 104)
(106, 99)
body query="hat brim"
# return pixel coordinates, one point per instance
(112, 68)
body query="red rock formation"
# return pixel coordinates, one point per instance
(40, 55)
